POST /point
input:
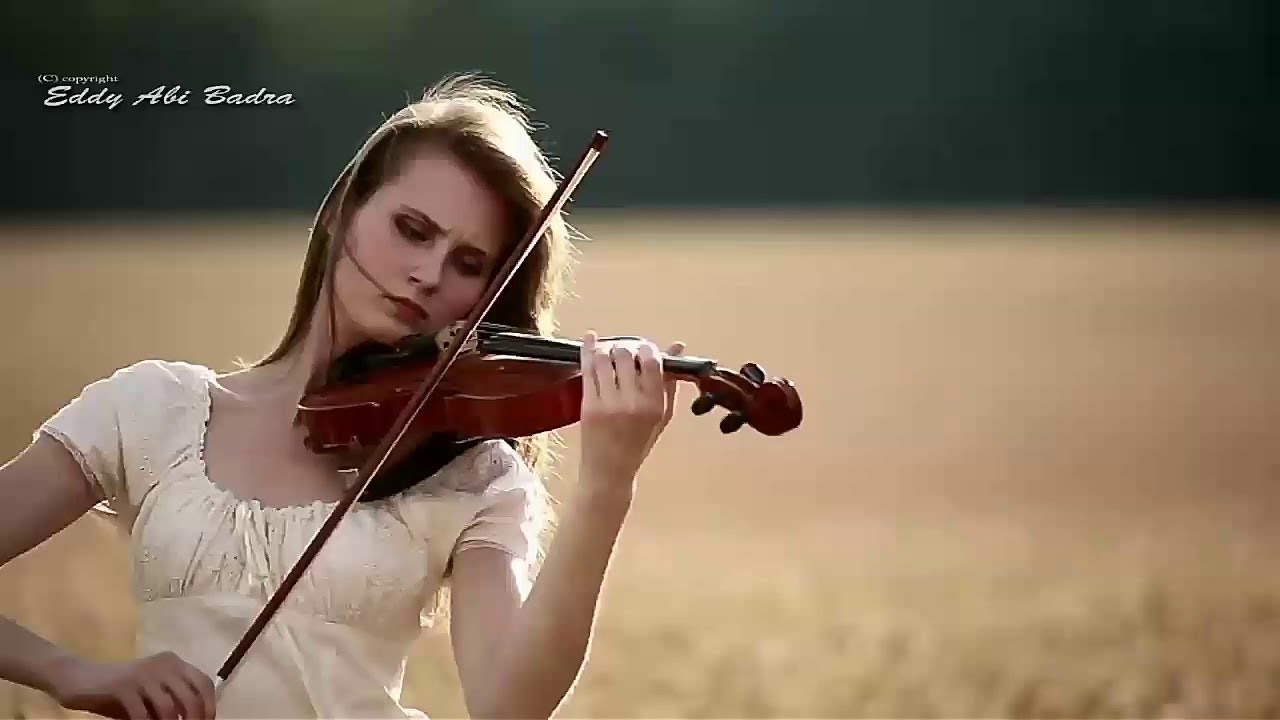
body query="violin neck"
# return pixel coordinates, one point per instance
(536, 347)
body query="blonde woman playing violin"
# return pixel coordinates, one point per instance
(208, 474)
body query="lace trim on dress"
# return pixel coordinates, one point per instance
(90, 475)
(473, 472)
(226, 496)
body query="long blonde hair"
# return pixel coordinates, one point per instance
(487, 127)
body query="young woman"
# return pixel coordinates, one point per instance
(209, 475)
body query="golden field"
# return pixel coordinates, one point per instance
(1038, 474)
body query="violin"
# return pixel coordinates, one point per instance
(507, 382)
(478, 379)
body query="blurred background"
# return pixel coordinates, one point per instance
(1020, 260)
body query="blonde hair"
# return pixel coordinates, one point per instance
(486, 126)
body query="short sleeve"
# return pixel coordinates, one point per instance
(511, 511)
(486, 497)
(89, 428)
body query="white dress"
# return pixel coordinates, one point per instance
(205, 561)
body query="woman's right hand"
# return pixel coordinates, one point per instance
(158, 686)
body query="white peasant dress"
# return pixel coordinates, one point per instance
(204, 562)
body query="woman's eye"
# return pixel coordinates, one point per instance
(410, 230)
(470, 268)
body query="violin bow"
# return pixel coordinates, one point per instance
(375, 461)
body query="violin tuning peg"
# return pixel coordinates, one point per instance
(731, 423)
(703, 404)
(753, 372)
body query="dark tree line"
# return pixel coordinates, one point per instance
(709, 101)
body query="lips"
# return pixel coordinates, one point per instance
(409, 307)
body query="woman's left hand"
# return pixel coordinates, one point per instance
(626, 404)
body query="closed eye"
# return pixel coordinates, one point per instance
(471, 262)
(417, 227)
(413, 230)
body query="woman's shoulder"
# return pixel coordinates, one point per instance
(481, 475)
(159, 375)
(488, 467)
(148, 392)
(123, 422)
(164, 368)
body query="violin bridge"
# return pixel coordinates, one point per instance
(446, 338)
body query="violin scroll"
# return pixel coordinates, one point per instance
(769, 405)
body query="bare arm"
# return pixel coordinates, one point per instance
(522, 660)
(42, 491)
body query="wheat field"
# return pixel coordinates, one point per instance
(1037, 474)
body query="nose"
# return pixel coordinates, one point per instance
(424, 275)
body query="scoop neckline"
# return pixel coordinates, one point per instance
(202, 434)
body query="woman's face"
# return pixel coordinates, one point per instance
(433, 237)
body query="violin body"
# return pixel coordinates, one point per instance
(481, 396)
(506, 382)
